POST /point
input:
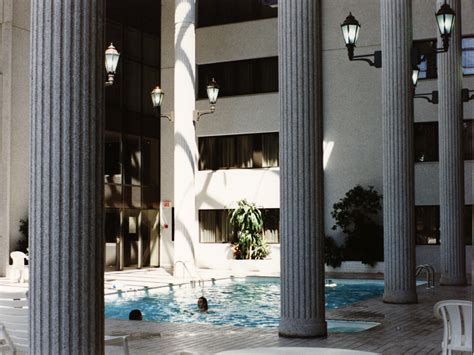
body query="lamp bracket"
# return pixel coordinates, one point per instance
(376, 62)
(431, 97)
(465, 95)
(198, 114)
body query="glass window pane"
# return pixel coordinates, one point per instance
(132, 85)
(271, 222)
(427, 225)
(468, 224)
(133, 43)
(244, 158)
(150, 161)
(468, 55)
(131, 160)
(113, 195)
(426, 141)
(468, 139)
(112, 162)
(226, 152)
(112, 225)
(270, 150)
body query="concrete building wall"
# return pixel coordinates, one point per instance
(14, 122)
(352, 113)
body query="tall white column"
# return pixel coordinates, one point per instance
(398, 162)
(185, 150)
(66, 177)
(301, 159)
(451, 161)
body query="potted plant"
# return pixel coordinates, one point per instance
(248, 222)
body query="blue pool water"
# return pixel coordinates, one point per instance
(248, 302)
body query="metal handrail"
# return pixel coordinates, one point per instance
(429, 274)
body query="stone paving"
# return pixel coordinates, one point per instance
(404, 329)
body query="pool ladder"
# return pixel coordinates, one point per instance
(429, 270)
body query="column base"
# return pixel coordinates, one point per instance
(400, 297)
(302, 328)
(449, 280)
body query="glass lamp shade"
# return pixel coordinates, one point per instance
(445, 18)
(111, 59)
(157, 96)
(212, 91)
(350, 30)
(414, 75)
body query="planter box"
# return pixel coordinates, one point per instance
(357, 267)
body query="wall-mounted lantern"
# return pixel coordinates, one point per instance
(111, 60)
(157, 95)
(351, 27)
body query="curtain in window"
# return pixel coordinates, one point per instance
(271, 221)
(207, 226)
(270, 150)
(244, 151)
(226, 152)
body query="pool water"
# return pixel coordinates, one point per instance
(248, 302)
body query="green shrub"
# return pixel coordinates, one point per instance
(248, 221)
(355, 214)
(332, 252)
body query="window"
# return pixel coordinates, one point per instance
(426, 141)
(239, 151)
(219, 12)
(468, 139)
(214, 226)
(271, 228)
(242, 77)
(428, 66)
(427, 225)
(468, 56)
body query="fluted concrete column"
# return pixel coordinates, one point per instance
(451, 161)
(185, 150)
(66, 178)
(301, 169)
(398, 164)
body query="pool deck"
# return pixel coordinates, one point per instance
(404, 329)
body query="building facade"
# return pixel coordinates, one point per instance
(238, 144)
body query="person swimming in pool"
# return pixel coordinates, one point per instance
(202, 304)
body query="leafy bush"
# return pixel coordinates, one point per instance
(22, 243)
(332, 252)
(247, 219)
(355, 214)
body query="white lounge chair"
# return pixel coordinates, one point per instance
(457, 318)
(14, 325)
(18, 267)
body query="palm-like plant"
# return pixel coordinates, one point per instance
(247, 219)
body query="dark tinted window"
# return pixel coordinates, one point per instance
(214, 226)
(242, 77)
(428, 65)
(468, 139)
(427, 225)
(239, 151)
(426, 141)
(219, 12)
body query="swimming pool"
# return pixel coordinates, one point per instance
(247, 302)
